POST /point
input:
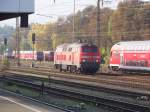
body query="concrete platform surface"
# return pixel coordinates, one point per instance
(12, 103)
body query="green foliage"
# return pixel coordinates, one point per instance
(6, 62)
(128, 21)
(105, 54)
(42, 36)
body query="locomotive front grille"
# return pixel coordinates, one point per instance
(90, 66)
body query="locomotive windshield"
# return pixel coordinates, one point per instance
(89, 49)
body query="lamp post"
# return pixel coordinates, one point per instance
(18, 41)
(33, 42)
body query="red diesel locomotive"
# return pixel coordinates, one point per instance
(130, 56)
(77, 57)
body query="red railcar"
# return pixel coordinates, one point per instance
(77, 57)
(130, 56)
(48, 55)
(29, 55)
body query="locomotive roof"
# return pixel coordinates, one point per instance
(132, 43)
(74, 45)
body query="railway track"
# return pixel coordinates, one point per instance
(81, 86)
(123, 106)
(131, 82)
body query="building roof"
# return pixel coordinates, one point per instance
(14, 8)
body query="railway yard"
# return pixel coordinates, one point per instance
(75, 56)
(102, 92)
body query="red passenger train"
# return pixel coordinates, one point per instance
(130, 56)
(29, 55)
(77, 57)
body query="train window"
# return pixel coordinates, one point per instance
(64, 49)
(70, 49)
(131, 48)
(111, 53)
(143, 48)
(128, 48)
(117, 54)
(147, 48)
(73, 49)
(135, 48)
(51, 53)
(77, 49)
(139, 48)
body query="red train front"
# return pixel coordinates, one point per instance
(77, 57)
(131, 56)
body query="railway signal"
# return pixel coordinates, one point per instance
(5, 41)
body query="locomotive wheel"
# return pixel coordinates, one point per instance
(81, 70)
(56, 66)
(69, 69)
(78, 71)
(74, 69)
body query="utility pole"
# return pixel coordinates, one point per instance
(99, 43)
(74, 10)
(18, 41)
(5, 48)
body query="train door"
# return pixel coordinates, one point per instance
(73, 53)
(121, 58)
(149, 59)
(73, 56)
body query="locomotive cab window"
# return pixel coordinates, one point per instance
(89, 49)
(94, 49)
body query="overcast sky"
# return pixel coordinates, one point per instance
(59, 8)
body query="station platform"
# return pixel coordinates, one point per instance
(10, 102)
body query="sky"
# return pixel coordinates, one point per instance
(59, 8)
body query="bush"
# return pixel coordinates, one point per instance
(6, 62)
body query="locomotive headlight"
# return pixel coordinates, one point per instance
(111, 59)
(97, 61)
(83, 60)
